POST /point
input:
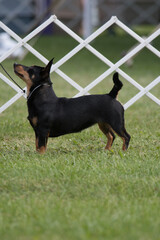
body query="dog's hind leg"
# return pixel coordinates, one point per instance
(36, 142)
(106, 129)
(125, 137)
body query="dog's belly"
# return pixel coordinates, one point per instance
(66, 129)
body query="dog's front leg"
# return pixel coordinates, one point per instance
(41, 143)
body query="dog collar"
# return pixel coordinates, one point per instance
(31, 93)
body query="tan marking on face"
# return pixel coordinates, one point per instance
(20, 72)
(33, 76)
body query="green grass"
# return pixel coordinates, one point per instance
(77, 190)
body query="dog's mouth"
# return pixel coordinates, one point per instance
(18, 69)
(19, 74)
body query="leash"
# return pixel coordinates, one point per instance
(12, 78)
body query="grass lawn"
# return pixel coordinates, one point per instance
(77, 190)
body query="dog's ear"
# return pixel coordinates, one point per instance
(48, 66)
(45, 72)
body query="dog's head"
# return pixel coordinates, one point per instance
(33, 75)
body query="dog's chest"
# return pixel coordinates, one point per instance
(33, 120)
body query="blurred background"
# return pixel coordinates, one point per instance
(82, 16)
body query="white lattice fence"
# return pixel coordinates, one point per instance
(85, 44)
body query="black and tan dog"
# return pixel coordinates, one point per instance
(51, 116)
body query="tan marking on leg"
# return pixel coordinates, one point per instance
(41, 150)
(110, 141)
(124, 144)
(104, 127)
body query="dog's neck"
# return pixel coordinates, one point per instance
(33, 89)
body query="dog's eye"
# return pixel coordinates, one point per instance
(31, 72)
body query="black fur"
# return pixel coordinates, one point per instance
(51, 116)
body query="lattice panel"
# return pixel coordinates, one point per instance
(85, 44)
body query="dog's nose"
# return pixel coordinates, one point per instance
(15, 64)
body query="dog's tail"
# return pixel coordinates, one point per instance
(117, 86)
